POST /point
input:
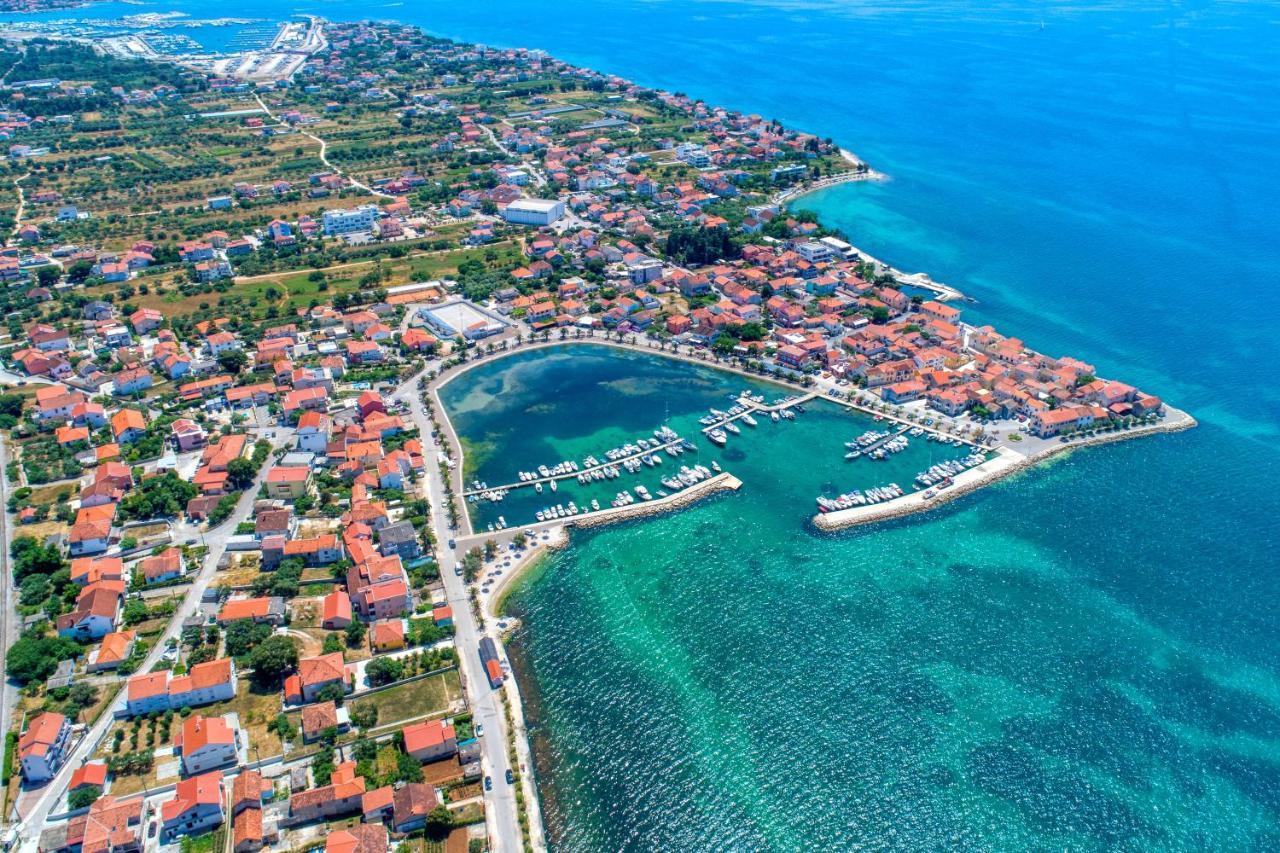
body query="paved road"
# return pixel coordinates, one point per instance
(38, 811)
(8, 615)
(501, 812)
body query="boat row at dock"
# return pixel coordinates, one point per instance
(562, 511)
(941, 475)
(687, 476)
(631, 457)
(682, 479)
(877, 444)
(880, 444)
(874, 495)
(935, 478)
(719, 425)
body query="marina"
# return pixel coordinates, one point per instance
(718, 425)
(536, 480)
(874, 444)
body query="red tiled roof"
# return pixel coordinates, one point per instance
(205, 789)
(41, 734)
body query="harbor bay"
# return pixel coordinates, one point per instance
(1080, 656)
(509, 425)
(956, 679)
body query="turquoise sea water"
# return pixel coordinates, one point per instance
(1084, 656)
(996, 674)
(544, 407)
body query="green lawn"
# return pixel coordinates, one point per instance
(415, 698)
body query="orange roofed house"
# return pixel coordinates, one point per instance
(431, 740)
(207, 743)
(211, 681)
(111, 826)
(42, 747)
(97, 606)
(313, 675)
(195, 807)
(268, 610)
(248, 830)
(111, 652)
(90, 774)
(319, 717)
(337, 610)
(128, 425)
(165, 566)
(361, 838)
(288, 482)
(341, 796)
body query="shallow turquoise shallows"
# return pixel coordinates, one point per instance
(1085, 656)
(981, 676)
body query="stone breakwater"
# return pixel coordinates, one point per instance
(682, 498)
(1007, 464)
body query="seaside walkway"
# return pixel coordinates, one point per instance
(860, 407)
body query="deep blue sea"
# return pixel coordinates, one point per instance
(1086, 656)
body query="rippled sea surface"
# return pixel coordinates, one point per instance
(1044, 664)
(1084, 656)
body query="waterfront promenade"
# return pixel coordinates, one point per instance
(788, 197)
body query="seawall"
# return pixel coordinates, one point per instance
(1007, 463)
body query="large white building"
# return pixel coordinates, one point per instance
(533, 211)
(694, 155)
(360, 218)
(815, 252)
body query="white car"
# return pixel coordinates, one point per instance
(479, 729)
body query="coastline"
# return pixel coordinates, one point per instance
(1176, 420)
(789, 197)
(1007, 463)
(495, 600)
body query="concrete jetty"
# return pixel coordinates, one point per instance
(723, 481)
(878, 443)
(641, 509)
